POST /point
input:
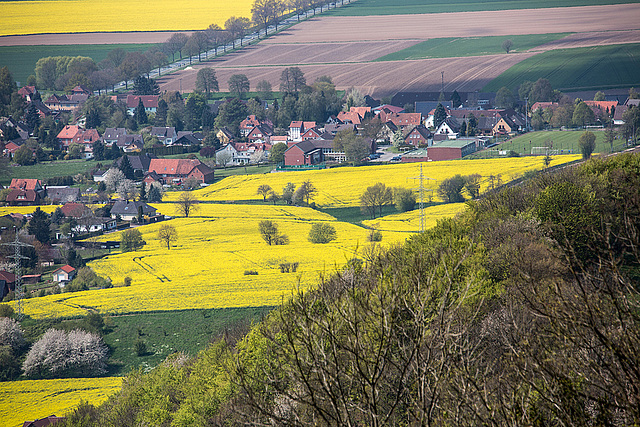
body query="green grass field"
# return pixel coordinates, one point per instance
(21, 60)
(50, 169)
(597, 67)
(168, 332)
(452, 47)
(564, 141)
(408, 7)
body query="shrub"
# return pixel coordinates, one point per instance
(288, 267)
(127, 281)
(270, 233)
(374, 236)
(6, 310)
(405, 200)
(322, 233)
(141, 348)
(131, 240)
(250, 273)
(59, 353)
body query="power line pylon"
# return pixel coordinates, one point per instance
(421, 192)
(18, 257)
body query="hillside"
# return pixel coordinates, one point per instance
(531, 293)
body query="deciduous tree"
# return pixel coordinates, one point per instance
(238, 84)
(187, 204)
(270, 233)
(375, 198)
(131, 240)
(167, 234)
(587, 143)
(264, 191)
(206, 81)
(322, 232)
(450, 189)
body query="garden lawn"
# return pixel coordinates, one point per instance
(453, 47)
(342, 187)
(21, 60)
(49, 169)
(29, 400)
(410, 7)
(582, 68)
(206, 267)
(409, 222)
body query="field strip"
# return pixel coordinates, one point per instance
(463, 24)
(596, 38)
(136, 37)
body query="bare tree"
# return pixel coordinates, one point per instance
(264, 191)
(187, 204)
(507, 45)
(167, 233)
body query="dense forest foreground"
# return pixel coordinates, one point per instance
(522, 311)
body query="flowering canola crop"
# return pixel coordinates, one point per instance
(410, 221)
(205, 267)
(340, 187)
(29, 400)
(53, 16)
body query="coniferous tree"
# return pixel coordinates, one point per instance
(140, 114)
(39, 226)
(126, 168)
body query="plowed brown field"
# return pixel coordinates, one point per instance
(343, 47)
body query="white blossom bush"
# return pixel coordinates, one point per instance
(60, 353)
(11, 333)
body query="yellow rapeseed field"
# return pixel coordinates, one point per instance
(410, 221)
(5, 210)
(205, 267)
(341, 187)
(57, 16)
(29, 400)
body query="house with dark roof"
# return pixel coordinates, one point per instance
(225, 136)
(94, 224)
(418, 136)
(128, 210)
(187, 140)
(448, 129)
(7, 283)
(111, 135)
(139, 163)
(304, 153)
(334, 128)
(23, 198)
(130, 143)
(166, 135)
(61, 195)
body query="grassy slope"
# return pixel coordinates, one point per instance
(407, 7)
(579, 68)
(168, 332)
(50, 169)
(451, 47)
(21, 60)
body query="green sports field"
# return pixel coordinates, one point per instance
(452, 47)
(408, 7)
(21, 60)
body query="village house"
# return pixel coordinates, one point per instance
(139, 163)
(304, 153)
(150, 103)
(297, 128)
(94, 224)
(228, 155)
(86, 138)
(65, 102)
(448, 129)
(128, 210)
(402, 120)
(130, 143)
(174, 171)
(64, 275)
(166, 135)
(225, 136)
(60, 195)
(111, 135)
(7, 283)
(28, 93)
(76, 210)
(25, 192)
(351, 117)
(418, 136)
(67, 135)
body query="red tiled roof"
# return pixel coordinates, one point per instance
(69, 132)
(25, 184)
(172, 166)
(603, 105)
(350, 116)
(66, 268)
(149, 101)
(74, 210)
(22, 196)
(88, 136)
(7, 276)
(296, 124)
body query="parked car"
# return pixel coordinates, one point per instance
(396, 158)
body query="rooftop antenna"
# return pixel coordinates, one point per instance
(18, 257)
(421, 192)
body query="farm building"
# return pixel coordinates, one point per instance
(304, 153)
(64, 274)
(451, 149)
